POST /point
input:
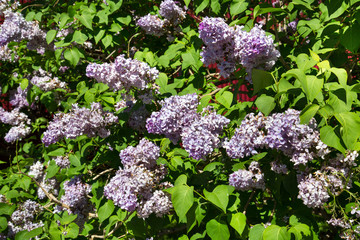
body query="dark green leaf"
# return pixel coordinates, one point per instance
(106, 210)
(308, 113)
(220, 196)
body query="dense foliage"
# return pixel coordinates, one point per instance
(125, 119)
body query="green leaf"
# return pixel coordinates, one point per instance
(215, 6)
(72, 230)
(301, 231)
(24, 83)
(57, 152)
(329, 137)
(308, 113)
(64, 17)
(350, 128)
(107, 40)
(3, 223)
(106, 210)
(90, 95)
(265, 104)
(67, 219)
(350, 38)
(99, 36)
(256, 232)
(79, 37)
(238, 222)
(125, 20)
(6, 209)
(202, 6)
(217, 230)
(52, 170)
(261, 79)
(312, 86)
(225, 98)
(72, 55)
(274, 232)
(182, 198)
(187, 2)
(50, 36)
(75, 159)
(103, 16)
(259, 11)
(238, 6)
(86, 20)
(341, 74)
(191, 59)
(220, 196)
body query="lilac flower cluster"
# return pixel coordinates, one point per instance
(137, 186)
(75, 197)
(7, 54)
(45, 81)
(281, 131)
(171, 12)
(15, 29)
(8, 4)
(79, 121)
(22, 219)
(18, 98)
(124, 73)
(178, 119)
(245, 180)
(62, 161)
(50, 185)
(155, 26)
(228, 46)
(19, 121)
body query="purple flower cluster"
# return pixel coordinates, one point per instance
(228, 46)
(22, 219)
(152, 25)
(155, 26)
(75, 197)
(19, 121)
(281, 131)
(18, 98)
(79, 121)
(8, 55)
(45, 81)
(245, 180)
(136, 186)
(171, 12)
(15, 29)
(62, 161)
(178, 119)
(124, 73)
(333, 177)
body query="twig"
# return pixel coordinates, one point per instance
(117, 226)
(212, 93)
(176, 71)
(128, 53)
(102, 173)
(110, 54)
(32, 5)
(272, 212)
(248, 202)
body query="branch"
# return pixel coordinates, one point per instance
(248, 202)
(102, 173)
(128, 53)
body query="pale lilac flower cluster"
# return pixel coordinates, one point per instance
(45, 81)
(155, 26)
(137, 186)
(50, 185)
(18, 98)
(22, 219)
(172, 12)
(62, 161)
(15, 29)
(312, 189)
(248, 137)
(8, 4)
(79, 121)
(202, 136)
(152, 25)
(279, 167)
(124, 73)
(229, 46)
(19, 121)
(176, 113)
(281, 131)
(178, 119)
(76, 198)
(339, 222)
(355, 210)
(245, 180)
